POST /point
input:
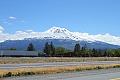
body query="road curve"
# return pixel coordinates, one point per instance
(60, 64)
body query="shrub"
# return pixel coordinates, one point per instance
(78, 69)
(9, 74)
(89, 69)
(98, 67)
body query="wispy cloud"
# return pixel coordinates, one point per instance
(29, 30)
(1, 28)
(11, 17)
(5, 22)
(23, 21)
(9, 23)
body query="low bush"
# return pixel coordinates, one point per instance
(98, 67)
(9, 74)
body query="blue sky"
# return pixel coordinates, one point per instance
(91, 16)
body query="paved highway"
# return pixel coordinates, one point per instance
(104, 74)
(41, 65)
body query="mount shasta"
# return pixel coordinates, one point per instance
(60, 37)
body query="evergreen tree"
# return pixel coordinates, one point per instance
(91, 52)
(105, 53)
(47, 49)
(84, 50)
(51, 46)
(94, 52)
(77, 50)
(30, 47)
(52, 49)
(53, 53)
(99, 53)
(12, 48)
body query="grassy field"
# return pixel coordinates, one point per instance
(8, 60)
(53, 70)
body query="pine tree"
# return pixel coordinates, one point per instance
(52, 49)
(99, 53)
(84, 50)
(53, 53)
(30, 47)
(94, 52)
(77, 50)
(91, 52)
(51, 46)
(49, 49)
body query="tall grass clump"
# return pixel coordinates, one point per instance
(53, 70)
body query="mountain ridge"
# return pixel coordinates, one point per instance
(59, 37)
(62, 33)
(39, 44)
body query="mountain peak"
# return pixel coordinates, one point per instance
(57, 30)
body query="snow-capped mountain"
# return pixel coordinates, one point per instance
(58, 30)
(60, 33)
(60, 37)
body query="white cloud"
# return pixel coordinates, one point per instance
(1, 28)
(29, 31)
(99, 37)
(11, 17)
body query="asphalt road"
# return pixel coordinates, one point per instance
(42, 65)
(103, 74)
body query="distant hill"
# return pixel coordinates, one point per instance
(67, 43)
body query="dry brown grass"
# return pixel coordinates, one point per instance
(55, 59)
(52, 70)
